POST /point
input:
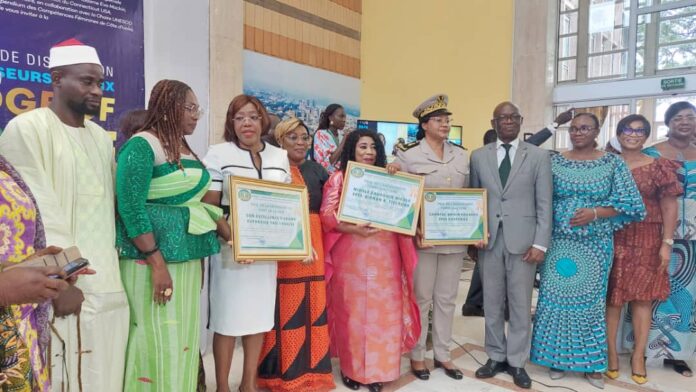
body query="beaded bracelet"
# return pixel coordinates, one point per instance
(151, 251)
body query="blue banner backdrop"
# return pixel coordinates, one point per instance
(28, 29)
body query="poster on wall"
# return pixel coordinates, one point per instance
(291, 89)
(28, 29)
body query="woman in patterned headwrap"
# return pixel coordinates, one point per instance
(295, 354)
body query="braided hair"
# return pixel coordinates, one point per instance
(164, 113)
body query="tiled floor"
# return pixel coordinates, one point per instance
(467, 349)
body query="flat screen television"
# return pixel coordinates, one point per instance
(393, 131)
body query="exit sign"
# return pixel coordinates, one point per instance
(673, 83)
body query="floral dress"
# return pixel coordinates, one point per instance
(324, 144)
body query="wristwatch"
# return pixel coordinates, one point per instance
(668, 241)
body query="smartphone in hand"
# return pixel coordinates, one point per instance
(73, 268)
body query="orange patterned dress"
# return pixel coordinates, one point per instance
(634, 275)
(295, 354)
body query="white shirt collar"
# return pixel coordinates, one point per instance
(515, 143)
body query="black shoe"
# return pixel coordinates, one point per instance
(452, 373)
(375, 387)
(421, 374)
(520, 377)
(491, 368)
(680, 367)
(350, 383)
(472, 310)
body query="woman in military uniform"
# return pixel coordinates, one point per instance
(444, 165)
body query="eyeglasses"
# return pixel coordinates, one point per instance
(253, 118)
(194, 109)
(441, 120)
(294, 138)
(583, 130)
(634, 131)
(516, 118)
(689, 118)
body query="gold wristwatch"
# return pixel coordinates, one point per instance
(668, 241)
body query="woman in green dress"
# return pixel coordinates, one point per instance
(164, 230)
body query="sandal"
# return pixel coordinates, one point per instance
(682, 368)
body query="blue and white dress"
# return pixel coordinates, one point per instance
(673, 327)
(570, 326)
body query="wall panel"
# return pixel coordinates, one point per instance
(319, 33)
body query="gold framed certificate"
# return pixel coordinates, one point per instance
(269, 220)
(388, 202)
(454, 216)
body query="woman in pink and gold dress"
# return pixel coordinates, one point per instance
(373, 316)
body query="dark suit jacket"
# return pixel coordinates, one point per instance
(540, 137)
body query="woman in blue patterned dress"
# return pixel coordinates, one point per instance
(594, 194)
(672, 335)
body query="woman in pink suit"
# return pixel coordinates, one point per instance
(373, 316)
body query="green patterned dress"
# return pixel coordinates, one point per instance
(156, 196)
